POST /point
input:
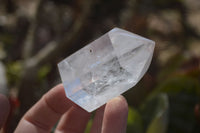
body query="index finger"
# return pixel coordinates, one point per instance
(45, 113)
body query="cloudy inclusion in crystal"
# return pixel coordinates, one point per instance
(105, 68)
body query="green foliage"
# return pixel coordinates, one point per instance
(14, 70)
(135, 123)
(182, 117)
(160, 121)
(154, 113)
(184, 94)
(89, 125)
(169, 108)
(179, 84)
(43, 71)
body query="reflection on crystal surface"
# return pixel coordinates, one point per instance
(105, 68)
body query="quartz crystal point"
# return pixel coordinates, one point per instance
(105, 68)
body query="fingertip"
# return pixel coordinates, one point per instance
(115, 116)
(118, 103)
(59, 86)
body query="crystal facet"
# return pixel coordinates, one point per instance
(105, 68)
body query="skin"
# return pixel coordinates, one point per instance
(54, 106)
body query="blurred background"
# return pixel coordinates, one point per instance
(36, 34)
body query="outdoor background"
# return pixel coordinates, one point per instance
(36, 34)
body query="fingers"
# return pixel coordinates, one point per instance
(98, 119)
(4, 109)
(45, 113)
(114, 117)
(73, 121)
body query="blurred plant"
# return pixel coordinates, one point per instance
(14, 70)
(135, 122)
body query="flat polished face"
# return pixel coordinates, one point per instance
(105, 68)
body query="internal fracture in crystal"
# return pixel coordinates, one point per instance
(105, 68)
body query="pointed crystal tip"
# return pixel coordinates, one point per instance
(105, 68)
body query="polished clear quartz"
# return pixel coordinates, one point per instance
(105, 68)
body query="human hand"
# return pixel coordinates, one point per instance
(54, 105)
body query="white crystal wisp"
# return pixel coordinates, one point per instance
(105, 68)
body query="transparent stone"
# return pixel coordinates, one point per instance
(105, 68)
